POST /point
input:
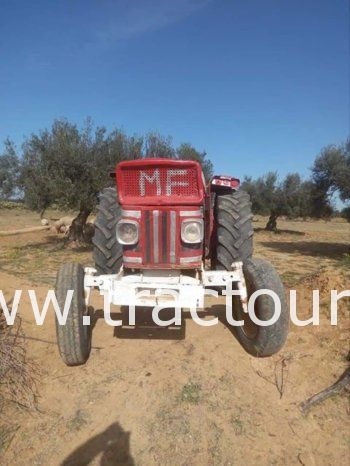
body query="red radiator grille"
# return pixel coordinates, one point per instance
(162, 182)
(160, 244)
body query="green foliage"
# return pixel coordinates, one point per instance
(68, 166)
(264, 193)
(12, 205)
(157, 146)
(331, 173)
(331, 170)
(294, 197)
(290, 197)
(9, 171)
(188, 152)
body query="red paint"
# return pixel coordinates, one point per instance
(225, 182)
(159, 182)
(168, 186)
(145, 247)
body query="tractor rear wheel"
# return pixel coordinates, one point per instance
(234, 230)
(107, 252)
(256, 339)
(73, 337)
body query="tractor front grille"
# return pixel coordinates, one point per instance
(145, 183)
(160, 244)
(160, 236)
(160, 182)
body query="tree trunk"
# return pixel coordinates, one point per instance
(77, 229)
(271, 225)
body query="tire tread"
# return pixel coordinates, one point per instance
(74, 342)
(107, 252)
(234, 230)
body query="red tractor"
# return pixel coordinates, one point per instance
(162, 238)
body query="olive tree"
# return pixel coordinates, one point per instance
(68, 167)
(9, 171)
(156, 145)
(331, 173)
(290, 197)
(188, 152)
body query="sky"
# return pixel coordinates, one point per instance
(259, 85)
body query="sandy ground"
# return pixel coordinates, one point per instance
(191, 395)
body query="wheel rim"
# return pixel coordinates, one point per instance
(250, 328)
(86, 327)
(86, 312)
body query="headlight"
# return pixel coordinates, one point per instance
(192, 231)
(127, 232)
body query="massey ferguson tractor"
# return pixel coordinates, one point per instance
(163, 238)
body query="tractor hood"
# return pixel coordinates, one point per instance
(160, 182)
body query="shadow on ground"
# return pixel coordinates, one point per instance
(309, 248)
(113, 444)
(280, 232)
(146, 329)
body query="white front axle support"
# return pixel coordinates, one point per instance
(166, 288)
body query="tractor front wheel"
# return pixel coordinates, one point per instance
(256, 339)
(73, 337)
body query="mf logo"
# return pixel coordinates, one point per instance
(174, 177)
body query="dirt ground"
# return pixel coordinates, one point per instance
(189, 395)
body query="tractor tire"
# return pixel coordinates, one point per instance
(107, 252)
(73, 338)
(257, 340)
(233, 240)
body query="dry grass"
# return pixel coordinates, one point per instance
(35, 256)
(303, 248)
(38, 256)
(17, 379)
